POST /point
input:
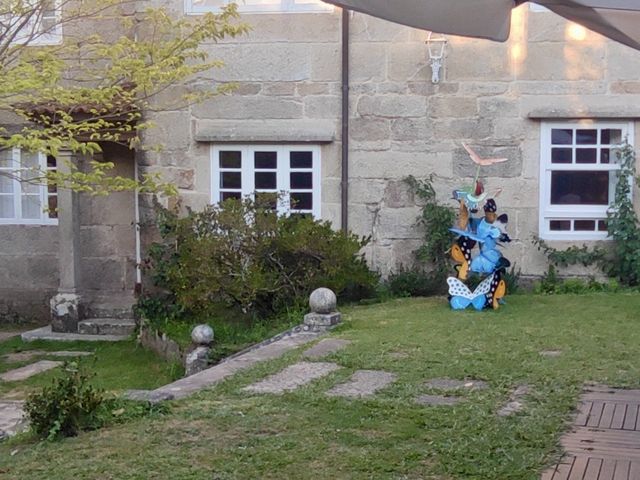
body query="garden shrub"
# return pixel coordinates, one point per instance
(414, 283)
(240, 256)
(69, 406)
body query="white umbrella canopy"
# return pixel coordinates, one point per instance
(491, 19)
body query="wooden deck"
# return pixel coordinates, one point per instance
(604, 443)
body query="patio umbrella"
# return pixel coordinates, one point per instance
(491, 19)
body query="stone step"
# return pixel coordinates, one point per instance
(107, 326)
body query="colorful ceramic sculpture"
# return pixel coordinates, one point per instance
(487, 233)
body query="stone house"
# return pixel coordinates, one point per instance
(553, 99)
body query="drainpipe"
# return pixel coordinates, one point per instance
(345, 121)
(138, 286)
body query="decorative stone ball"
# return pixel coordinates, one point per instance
(322, 300)
(202, 335)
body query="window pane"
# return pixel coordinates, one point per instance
(584, 225)
(587, 137)
(51, 162)
(31, 207)
(267, 200)
(231, 180)
(229, 159)
(561, 155)
(266, 180)
(579, 188)
(602, 225)
(560, 225)
(30, 160)
(52, 206)
(6, 184)
(611, 136)
(302, 201)
(301, 159)
(6, 206)
(586, 155)
(6, 159)
(266, 159)
(227, 195)
(561, 136)
(301, 180)
(604, 155)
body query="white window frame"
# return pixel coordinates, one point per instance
(549, 212)
(33, 35)
(282, 173)
(17, 193)
(285, 6)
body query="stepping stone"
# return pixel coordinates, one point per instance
(551, 353)
(147, 396)
(399, 355)
(27, 371)
(29, 354)
(292, 377)
(326, 347)
(515, 403)
(451, 384)
(437, 400)
(363, 383)
(12, 418)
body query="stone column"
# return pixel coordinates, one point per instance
(66, 309)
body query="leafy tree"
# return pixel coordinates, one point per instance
(76, 73)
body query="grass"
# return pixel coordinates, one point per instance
(118, 366)
(224, 433)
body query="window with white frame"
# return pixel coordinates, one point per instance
(291, 173)
(578, 165)
(24, 196)
(258, 6)
(40, 25)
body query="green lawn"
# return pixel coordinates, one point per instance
(226, 434)
(118, 366)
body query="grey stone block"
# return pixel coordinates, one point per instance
(27, 371)
(107, 326)
(363, 383)
(322, 320)
(150, 396)
(66, 312)
(293, 377)
(437, 400)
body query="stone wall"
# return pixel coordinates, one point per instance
(288, 70)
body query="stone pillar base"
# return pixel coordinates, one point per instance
(322, 321)
(66, 312)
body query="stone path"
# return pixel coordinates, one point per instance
(27, 371)
(363, 383)
(8, 335)
(516, 402)
(604, 442)
(211, 376)
(451, 384)
(293, 377)
(326, 347)
(11, 418)
(30, 354)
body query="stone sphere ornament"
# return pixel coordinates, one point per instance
(202, 335)
(322, 300)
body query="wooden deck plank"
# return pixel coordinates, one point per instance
(631, 417)
(607, 415)
(592, 472)
(563, 469)
(607, 470)
(618, 416)
(583, 413)
(596, 414)
(622, 470)
(604, 443)
(578, 469)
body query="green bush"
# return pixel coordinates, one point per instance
(240, 256)
(69, 406)
(415, 283)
